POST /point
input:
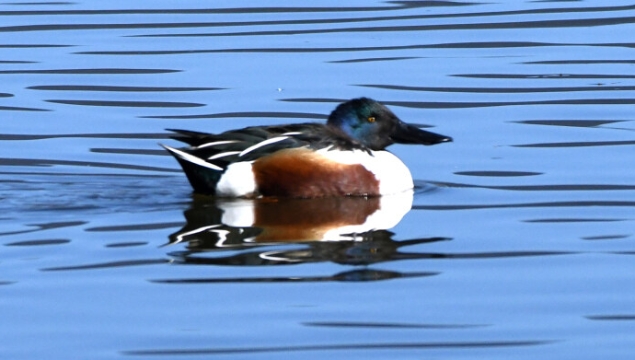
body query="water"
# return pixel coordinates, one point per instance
(518, 244)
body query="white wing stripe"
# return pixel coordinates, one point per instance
(191, 158)
(214, 143)
(220, 155)
(262, 143)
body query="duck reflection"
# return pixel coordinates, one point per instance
(344, 230)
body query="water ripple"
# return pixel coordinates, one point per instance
(134, 103)
(97, 71)
(546, 204)
(339, 347)
(122, 89)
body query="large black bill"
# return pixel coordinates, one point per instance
(410, 134)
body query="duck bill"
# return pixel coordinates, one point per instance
(410, 134)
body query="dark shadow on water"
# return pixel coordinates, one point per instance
(462, 345)
(573, 144)
(482, 104)
(18, 137)
(546, 204)
(111, 264)
(51, 162)
(501, 90)
(245, 114)
(44, 226)
(607, 237)
(135, 103)
(105, 88)
(497, 173)
(42, 242)
(385, 325)
(571, 123)
(612, 317)
(346, 276)
(96, 71)
(540, 188)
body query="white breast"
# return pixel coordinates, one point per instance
(393, 175)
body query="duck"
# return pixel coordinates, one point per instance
(347, 156)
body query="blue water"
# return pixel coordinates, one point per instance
(518, 244)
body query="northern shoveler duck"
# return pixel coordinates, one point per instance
(347, 156)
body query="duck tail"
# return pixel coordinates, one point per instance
(202, 175)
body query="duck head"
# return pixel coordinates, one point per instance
(376, 127)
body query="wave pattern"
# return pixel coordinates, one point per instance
(522, 226)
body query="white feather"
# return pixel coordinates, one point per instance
(263, 143)
(238, 180)
(191, 158)
(214, 143)
(220, 155)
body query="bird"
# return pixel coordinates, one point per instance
(347, 156)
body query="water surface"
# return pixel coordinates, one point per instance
(517, 242)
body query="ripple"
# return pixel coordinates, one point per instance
(506, 25)
(146, 104)
(464, 105)
(501, 90)
(39, 242)
(616, 317)
(50, 162)
(112, 264)
(45, 226)
(97, 71)
(31, 46)
(498, 173)
(571, 220)
(17, 62)
(39, 3)
(383, 325)
(374, 59)
(571, 123)
(129, 151)
(606, 237)
(119, 88)
(546, 204)
(136, 227)
(577, 144)
(578, 62)
(16, 108)
(127, 244)
(341, 347)
(394, 5)
(245, 114)
(460, 45)
(347, 276)
(546, 76)
(23, 137)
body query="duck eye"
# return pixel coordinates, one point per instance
(371, 119)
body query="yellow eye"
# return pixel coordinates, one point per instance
(371, 119)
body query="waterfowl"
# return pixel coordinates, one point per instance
(347, 156)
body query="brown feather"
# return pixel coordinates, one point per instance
(303, 173)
